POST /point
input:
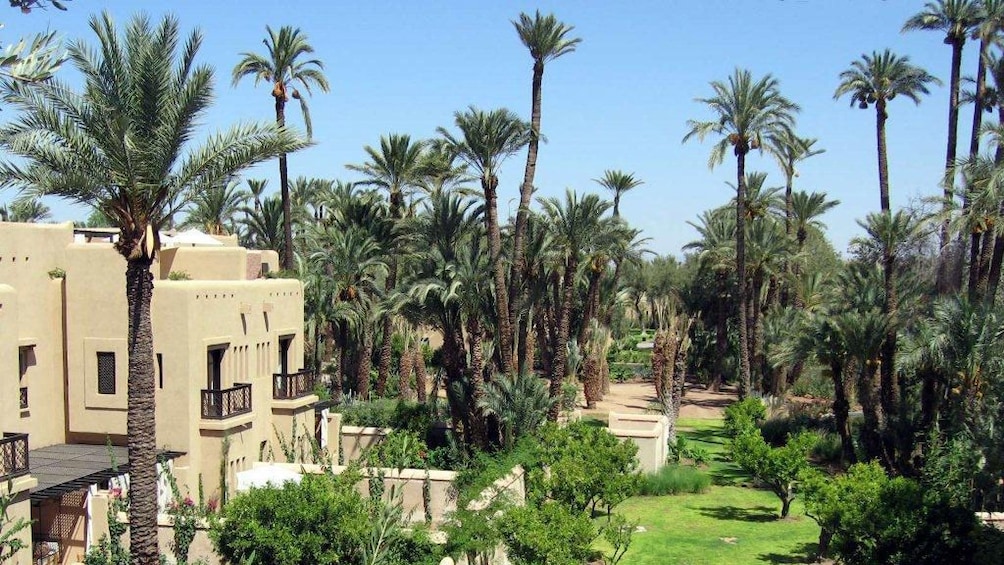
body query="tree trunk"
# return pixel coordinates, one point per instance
(591, 386)
(526, 191)
(841, 409)
(757, 357)
(490, 186)
(868, 396)
(883, 158)
(524, 347)
(337, 353)
(786, 505)
(592, 305)
(789, 206)
(141, 423)
(721, 332)
(405, 368)
(475, 334)
(564, 316)
(383, 363)
(744, 352)
(889, 392)
(949, 277)
(287, 207)
(365, 363)
(975, 251)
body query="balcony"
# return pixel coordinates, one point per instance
(13, 456)
(226, 403)
(292, 386)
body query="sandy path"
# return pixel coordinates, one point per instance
(636, 397)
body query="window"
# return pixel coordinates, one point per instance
(160, 370)
(284, 343)
(22, 370)
(106, 372)
(214, 367)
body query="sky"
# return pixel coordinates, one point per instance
(620, 101)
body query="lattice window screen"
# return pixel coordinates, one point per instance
(106, 372)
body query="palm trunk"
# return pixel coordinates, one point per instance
(365, 363)
(141, 423)
(871, 438)
(986, 259)
(526, 190)
(490, 186)
(421, 379)
(544, 341)
(287, 209)
(592, 305)
(337, 353)
(383, 363)
(994, 272)
(757, 354)
(524, 347)
(883, 159)
(949, 277)
(564, 316)
(889, 392)
(841, 409)
(975, 251)
(744, 352)
(789, 206)
(475, 335)
(405, 368)
(721, 332)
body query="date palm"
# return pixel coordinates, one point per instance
(806, 208)
(256, 188)
(716, 252)
(747, 113)
(956, 19)
(396, 167)
(487, 139)
(285, 66)
(547, 38)
(263, 227)
(875, 80)
(136, 170)
(618, 182)
(213, 209)
(25, 210)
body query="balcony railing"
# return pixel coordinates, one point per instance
(24, 398)
(226, 403)
(13, 456)
(292, 386)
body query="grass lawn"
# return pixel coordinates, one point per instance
(731, 523)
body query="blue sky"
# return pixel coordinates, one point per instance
(620, 102)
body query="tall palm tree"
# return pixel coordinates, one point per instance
(618, 182)
(546, 38)
(486, 140)
(25, 210)
(577, 225)
(130, 169)
(256, 188)
(877, 79)
(806, 209)
(956, 19)
(263, 227)
(214, 208)
(747, 113)
(396, 167)
(285, 66)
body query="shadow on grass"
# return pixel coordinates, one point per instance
(739, 514)
(804, 553)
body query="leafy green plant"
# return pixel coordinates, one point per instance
(618, 532)
(519, 402)
(179, 276)
(744, 415)
(400, 449)
(10, 543)
(474, 534)
(779, 468)
(674, 479)
(683, 451)
(57, 273)
(569, 394)
(550, 534)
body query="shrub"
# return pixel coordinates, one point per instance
(683, 451)
(400, 449)
(828, 448)
(776, 467)
(776, 430)
(179, 276)
(550, 534)
(674, 479)
(57, 273)
(744, 415)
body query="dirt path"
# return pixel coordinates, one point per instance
(637, 397)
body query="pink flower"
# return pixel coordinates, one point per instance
(189, 501)
(115, 492)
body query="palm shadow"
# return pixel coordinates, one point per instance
(802, 554)
(758, 514)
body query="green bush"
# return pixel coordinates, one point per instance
(550, 534)
(684, 451)
(779, 468)
(674, 479)
(828, 448)
(744, 415)
(400, 449)
(387, 413)
(777, 429)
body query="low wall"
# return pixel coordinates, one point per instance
(649, 432)
(992, 519)
(356, 440)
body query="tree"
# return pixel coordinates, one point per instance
(877, 79)
(486, 140)
(25, 210)
(256, 188)
(263, 227)
(747, 113)
(618, 182)
(284, 66)
(546, 38)
(396, 167)
(71, 150)
(806, 208)
(519, 402)
(777, 467)
(957, 19)
(213, 208)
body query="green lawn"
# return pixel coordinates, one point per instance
(731, 523)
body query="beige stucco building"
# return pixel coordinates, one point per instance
(229, 352)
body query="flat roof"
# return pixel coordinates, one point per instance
(68, 467)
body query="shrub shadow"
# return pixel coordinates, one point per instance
(803, 554)
(739, 514)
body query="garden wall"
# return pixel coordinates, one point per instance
(356, 440)
(650, 432)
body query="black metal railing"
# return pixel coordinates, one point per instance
(226, 403)
(24, 398)
(293, 385)
(13, 456)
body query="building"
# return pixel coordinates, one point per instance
(229, 351)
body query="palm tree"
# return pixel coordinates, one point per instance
(806, 209)
(256, 188)
(25, 210)
(957, 19)
(213, 209)
(284, 66)
(487, 140)
(877, 79)
(747, 113)
(396, 167)
(577, 225)
(546, 38)
(520, 402)
(130, 169)
(263, 227)
(618, 182)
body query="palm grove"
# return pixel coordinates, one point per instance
(904, 328)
